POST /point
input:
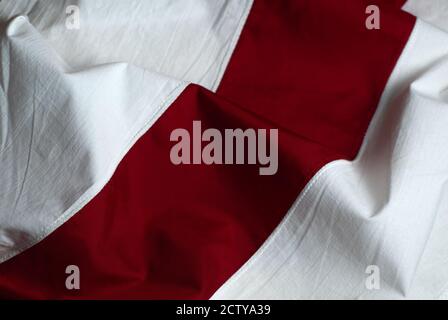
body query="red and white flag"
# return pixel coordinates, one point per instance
(344, 194)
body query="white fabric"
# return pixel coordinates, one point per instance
(388, 208)
(431, 11)
(190, 40)
(72, 102)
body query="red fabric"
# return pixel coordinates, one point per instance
(309, 68)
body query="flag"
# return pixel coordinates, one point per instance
(97, 97)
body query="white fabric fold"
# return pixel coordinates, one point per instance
(190, 40)
(63, 132)
(431, 11)
(387, 209)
